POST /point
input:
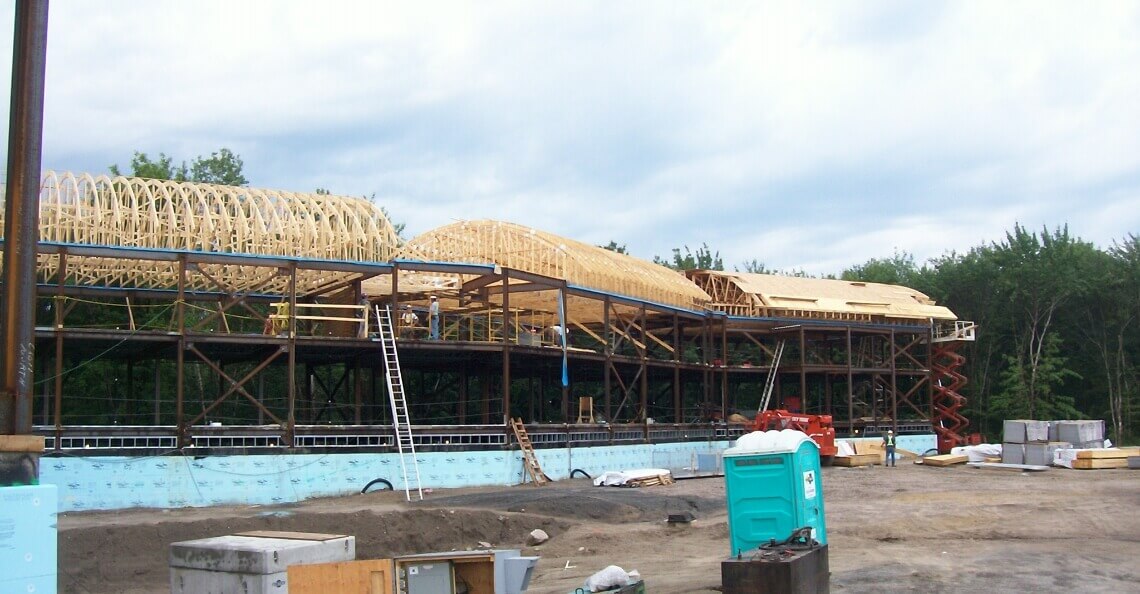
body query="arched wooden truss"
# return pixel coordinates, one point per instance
(769, 295)
(168, 215)
(538, 252)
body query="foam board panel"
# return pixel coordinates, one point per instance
(28, 538)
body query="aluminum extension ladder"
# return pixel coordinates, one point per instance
(401, 423)
(771, 383)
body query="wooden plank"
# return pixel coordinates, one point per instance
(877, 447)
(857, 460)
(370, 576)
(1100, 463)
(1108, 453)
(291, 535)
(21, 443)
(479, 575)
(944, 460)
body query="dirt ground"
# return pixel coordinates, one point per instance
(904, 529)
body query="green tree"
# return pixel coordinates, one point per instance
(1030, 382)
(754, 266)
(222, 167)
(162, 168)
(703, 259)
(614, 247)
(899, 269)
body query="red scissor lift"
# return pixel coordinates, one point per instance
(948, 422)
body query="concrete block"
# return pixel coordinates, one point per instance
(1025, 431)
(1013, 431)
(28, 538)
(1036, 431)
(1134, 462)
(1080, 431)
(250, 564)
(1041, 454)
(1013, 453)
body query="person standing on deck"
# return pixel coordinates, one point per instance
(889, 443)
(433, 318)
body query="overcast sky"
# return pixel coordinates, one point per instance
(807, 136)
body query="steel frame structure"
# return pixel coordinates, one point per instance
(683, 369)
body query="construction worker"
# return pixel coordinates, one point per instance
(889, 444)
(433, 318)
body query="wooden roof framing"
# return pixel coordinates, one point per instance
(167, 215)
(769, 295)
(531, 250)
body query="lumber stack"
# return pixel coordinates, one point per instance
(650, 481)
(857, 460)
(1104, 458)
(945, 460)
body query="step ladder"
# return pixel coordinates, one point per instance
(771, 383)
(530, 461)
(402, 425)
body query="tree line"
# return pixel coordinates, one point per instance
(1058, 331)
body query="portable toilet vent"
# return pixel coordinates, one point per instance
(773, 486)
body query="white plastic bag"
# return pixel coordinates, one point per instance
(607, 578)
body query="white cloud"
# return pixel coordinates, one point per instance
(809, 136)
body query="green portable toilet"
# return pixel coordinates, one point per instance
(773, 485)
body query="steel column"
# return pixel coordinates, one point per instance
(609, 352)
(507, 351)
(21, 223)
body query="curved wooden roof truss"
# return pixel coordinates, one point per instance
(168, 215)
(533, 251)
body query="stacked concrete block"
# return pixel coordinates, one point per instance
(1082, 434)
(1018, 435)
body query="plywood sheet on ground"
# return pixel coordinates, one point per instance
(945, 460)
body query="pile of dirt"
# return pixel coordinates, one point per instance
(134, 557)
(613, 505)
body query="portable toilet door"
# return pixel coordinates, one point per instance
(773, 487)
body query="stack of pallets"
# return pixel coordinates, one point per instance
(650, 481)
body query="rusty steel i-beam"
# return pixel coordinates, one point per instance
(21, 226)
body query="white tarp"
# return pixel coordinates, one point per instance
(978, 453)
(617, 478)
(845, 448)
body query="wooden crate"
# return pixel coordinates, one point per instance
(371, 576)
